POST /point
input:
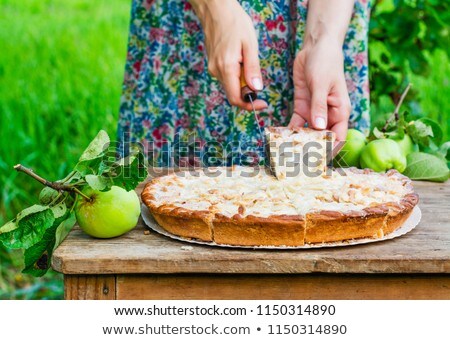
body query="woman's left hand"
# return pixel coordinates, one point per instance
(321, 98)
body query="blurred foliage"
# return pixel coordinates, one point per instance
(404, 35)
(61, 70)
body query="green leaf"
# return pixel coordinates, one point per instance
(420, 133)
(96, 153)
(378, 134)
(98, 182)
(9, 226)
(64, 228)
(401, 125)
(38, 256)
(90, 166)
(40, 228)
(75, 177)
(59, 210)
(444, 150)
(129, 172)
(47, 195)
(426, 167)
(99, 144)
(31, 223)
(30, 210)
(437, 131)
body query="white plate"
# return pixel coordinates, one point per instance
(410, 224)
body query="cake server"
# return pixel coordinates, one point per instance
(249, 96)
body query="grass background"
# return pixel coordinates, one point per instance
(61, 69)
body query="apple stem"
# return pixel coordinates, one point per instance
(80, 193)
(55, 199)
(54, 185)
(69, 177)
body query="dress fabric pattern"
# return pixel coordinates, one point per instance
(169, 98)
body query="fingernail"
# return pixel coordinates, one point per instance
(320, 123)
(257, 83)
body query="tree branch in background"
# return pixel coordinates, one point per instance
(395, 115)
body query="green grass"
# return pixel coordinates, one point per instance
(61, 68)
(434, 91)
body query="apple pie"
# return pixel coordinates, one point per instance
(247, 206)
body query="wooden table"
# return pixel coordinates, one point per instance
(142, 265)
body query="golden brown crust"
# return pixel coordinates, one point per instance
(183, 222)
(250, 230)
(399, 213)
(185, 225)
(331, 226)
(281, 230)
(147, 195)
(176, 220)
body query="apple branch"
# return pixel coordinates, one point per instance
(54, 185)
(402, 98)
(397, 109)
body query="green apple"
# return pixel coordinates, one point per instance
(406, 145)
(383, 154)
(351, 151)
(108, 214)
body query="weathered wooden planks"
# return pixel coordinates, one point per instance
(89, 287)
(424, 250)
(293, 287)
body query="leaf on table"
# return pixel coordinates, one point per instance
(31, 223)
(426, 167)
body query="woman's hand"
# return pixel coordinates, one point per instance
(321, 97)
(230, 40)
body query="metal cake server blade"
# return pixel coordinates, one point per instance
(249, 96)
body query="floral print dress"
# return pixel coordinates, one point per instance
(180, 114)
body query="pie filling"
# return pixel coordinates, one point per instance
(244, 194)
(300, 152)
(249, 206)
(252, 191)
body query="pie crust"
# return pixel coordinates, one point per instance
(246, 206)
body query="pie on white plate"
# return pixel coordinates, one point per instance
(248, 206)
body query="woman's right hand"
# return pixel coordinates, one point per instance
(230, 40)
